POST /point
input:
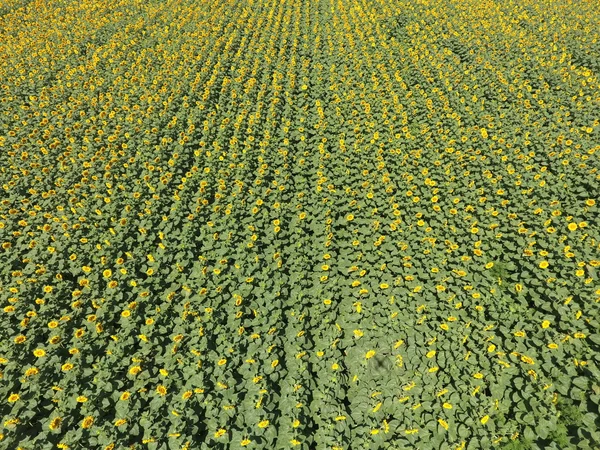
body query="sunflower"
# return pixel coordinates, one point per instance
(32, 371)
(443, 424)
(87, 422)
(161, 390)
(55, 423)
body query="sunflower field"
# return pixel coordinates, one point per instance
(299, 224)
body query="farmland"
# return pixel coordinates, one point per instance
(309, 224)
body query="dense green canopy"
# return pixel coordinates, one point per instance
(307, 224)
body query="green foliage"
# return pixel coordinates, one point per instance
(519, 444)
(299, 224)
